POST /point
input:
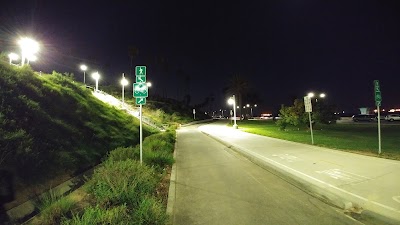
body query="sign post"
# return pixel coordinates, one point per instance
(308, 108)
(378, 100)
(140, 92)
(194, 114)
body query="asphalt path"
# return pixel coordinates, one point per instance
(216, 185)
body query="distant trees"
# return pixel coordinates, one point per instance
(237, 86)
(295, 115)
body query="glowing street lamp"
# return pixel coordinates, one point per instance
(148, 84)
(12, 57)
(84, 68)
(28, 48)
(96, 76)
(124, 82)
(311, 95)
(31, 58)
(251, 108)
(232, 101)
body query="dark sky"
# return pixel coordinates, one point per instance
(284, 49)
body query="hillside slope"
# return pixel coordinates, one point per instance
(50, 123)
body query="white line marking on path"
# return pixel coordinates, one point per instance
(396, 198)
(343, 175)
(287, 157)
(322, 182)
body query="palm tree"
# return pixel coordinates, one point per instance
(237, 86)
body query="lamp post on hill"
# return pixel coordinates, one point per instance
(96, 76)
(232, 101)
(84, 68)
(28, 48)
(124, 82)
(12, 56)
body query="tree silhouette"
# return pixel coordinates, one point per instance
(237, 86)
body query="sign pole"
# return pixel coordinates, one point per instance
(312, 136)
(379, 128)
(141, 135)
(378, 100)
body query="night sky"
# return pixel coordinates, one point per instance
(284, 49)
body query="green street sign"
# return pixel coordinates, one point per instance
(378, 96)
(140, 79)
(140, 90)
(376, 86)
(140, 70)
(140, 101)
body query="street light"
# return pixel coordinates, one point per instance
(251, 108)
(31, 58)
(28, 48)
(96, 76)
(232, 101)
(311, 95)
(12, 57)
(84, 68)
(124, 82)
(148, 84)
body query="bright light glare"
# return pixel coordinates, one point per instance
(230, 101)
(148, 84)
(310, 95)
(32, 58)
(28, 46)
(83, 67)
(13, 56)
(322, 95)
(96, 75)
(124, 82)
(255, 105)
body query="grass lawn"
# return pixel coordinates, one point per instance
(360, 138)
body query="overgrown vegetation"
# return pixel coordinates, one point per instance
(50, 124)
(295, 115)
(122, 191)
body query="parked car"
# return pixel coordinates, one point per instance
(363, 117)
(392, 117)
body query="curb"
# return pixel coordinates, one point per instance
(325, 194)
(172, 191)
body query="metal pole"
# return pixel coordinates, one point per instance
(379, 128)
(234, 113)
(312, 136)
(84, 77)
(123, 90)
(97, 84)
(141, 146)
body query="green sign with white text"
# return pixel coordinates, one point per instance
(140, 101)
(140, 90)
(140, 70)
(378, 94)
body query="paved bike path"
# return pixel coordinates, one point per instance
(364, 184)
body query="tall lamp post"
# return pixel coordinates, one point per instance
(96, 76)
(12, 56)
(84, 68)
(312, 95)
(28, 48)
(232, 101)
(124, 82)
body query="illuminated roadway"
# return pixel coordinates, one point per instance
(215, 185)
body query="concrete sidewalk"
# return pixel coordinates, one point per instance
(368, 185)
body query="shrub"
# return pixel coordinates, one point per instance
(150, 211)
(159, 160)
(53, 207)
(118, 182)
(124, 153)
(99, 215)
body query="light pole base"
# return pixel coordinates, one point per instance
(235, 126)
